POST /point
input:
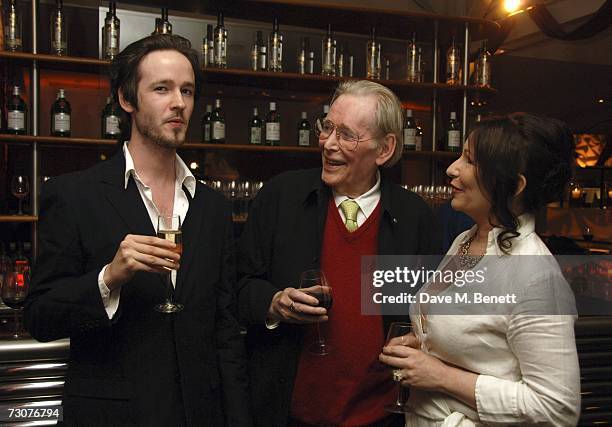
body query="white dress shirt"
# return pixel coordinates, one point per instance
(367, 202)
(527, 365)
(184, 177)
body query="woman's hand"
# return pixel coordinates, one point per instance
(418, 369)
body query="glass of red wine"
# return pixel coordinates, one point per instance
(313, 283)
(169, 228)
(20, 187)
(14, 291)
(397, 335)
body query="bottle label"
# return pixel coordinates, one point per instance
(410, 138)
(61, 122)
(454, 138)
(207, 132)
(13, 38)
(218, 130)
(418, 141)
(220, 52)
(113, 38)
(304, 138)
(16, 120)
(255, 135)
(273, 131)
(111, 125)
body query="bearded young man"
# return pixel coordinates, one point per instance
(101, 270)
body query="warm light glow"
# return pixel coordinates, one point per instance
(600, 100)
(511, 6)
(194, 165)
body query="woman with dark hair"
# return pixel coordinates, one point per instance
(513, 362)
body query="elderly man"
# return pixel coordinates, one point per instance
(327, 219)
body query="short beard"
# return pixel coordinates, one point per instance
(158, 138)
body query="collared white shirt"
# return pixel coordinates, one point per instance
(367, 202)
(185, 178)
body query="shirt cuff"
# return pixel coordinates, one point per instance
(109, 299)
(272, 324)
(495, 399)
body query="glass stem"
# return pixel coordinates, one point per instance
(400, 395)
(20, 210)
(320, 340)
(16, 314)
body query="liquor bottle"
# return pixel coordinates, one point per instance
(310, 63)
(59, 36)
(206, 124)
(165, 27)
(217, 124)
(483, 67)
(254, 54)
(304, 131)
(208, 47)
(220, 43)
(387, 70)
(351, 65)
(418, 139)
(328, 54)
(158, 27)
(453, 134)
(373, 52)
(341, 60)
(17, 111)
(412, 60)
(453, 64)
(410, 131)
(111, 119)
(420, 72)
(255, 128)
(273, 126)
(302, 55)
(275, 48)
(110, 33)
(60, 115)
(12, 30)
(324, 113)
(262, 53)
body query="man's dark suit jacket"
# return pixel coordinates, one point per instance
(282, 238)
(137, 367)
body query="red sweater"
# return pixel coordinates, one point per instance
(349, 386)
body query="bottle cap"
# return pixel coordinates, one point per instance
(255, 111)
(217, 103)
(453, 116)
(272, 106)
(304, 115)
(61, 93)
(408, 113)
(16, 90)
(209, 108)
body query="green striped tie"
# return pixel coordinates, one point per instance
(350, 209)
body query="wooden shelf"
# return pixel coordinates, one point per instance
(18, 218)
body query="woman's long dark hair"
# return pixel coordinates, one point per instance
(504, 147)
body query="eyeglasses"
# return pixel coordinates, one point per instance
(346, 139)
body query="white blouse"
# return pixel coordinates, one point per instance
(526, 359)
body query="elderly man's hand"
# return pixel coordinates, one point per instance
(294, 306)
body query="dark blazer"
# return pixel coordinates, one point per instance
(136, 368)
(282, 238)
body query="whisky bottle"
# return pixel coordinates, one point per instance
(453, 134)
(453, 64)
(310, 62)
(410, 131)
(217, 124)
(208, 48)
(206, 124)
(111, 119)
(110, 33)
(373, 52)
(302, 55)
(412, 60)
(255, 128)
(220, 43)
(275, 48)
(273, 126)
(60, 115)
(17, 112)
(328, 54)
(483, 67)
(59, 35)
(12, 30)
(303, 131)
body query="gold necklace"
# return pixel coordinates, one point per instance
(465, 260)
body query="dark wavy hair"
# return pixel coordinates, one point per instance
(504, 147)
(125, 73)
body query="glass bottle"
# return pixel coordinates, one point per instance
(310, 63)
(453, 134)
(217, 124)
(111, 119)
(275, 48)
(328, 54)
(17, 112)
(303, 131)
(483, 67)
(273, 126)
(324, 113)
(420, 70)
(341, 60)
(165, 27)
(60, 115)
(59, 35)
(373, 58)
(255, 128)
(262, 53)
(206, 124)
(208, 47)
(12, 29)
(412, 60)
(387, 70)
(302, 55)
(254, 54)
(453, 64)
(410, 131)
(220, 43)
(418, 139)
(110, 33)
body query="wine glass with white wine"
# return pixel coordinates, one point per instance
(398, 335)
(169, 228)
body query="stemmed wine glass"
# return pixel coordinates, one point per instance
(313, 283)
(397, 335)
(20, 187)
(169, 228)
(14, 291)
